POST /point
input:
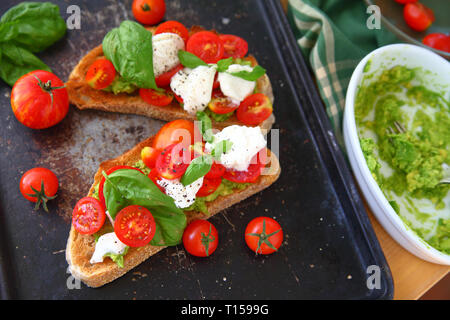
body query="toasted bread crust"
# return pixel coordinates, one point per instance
(81, 247)
(85, 97)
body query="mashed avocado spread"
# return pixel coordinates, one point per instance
(416, 156)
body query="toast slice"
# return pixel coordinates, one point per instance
(85, 97)
(81, 247)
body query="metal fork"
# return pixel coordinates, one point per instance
(398, 129)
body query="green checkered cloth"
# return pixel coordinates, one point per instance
(334, 37)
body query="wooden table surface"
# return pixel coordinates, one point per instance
(412, 276)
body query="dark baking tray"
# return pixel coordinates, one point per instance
(329, 241)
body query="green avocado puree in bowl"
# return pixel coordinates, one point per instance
(408, 165)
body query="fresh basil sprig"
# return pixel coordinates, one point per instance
(190, 60)
(222, 65)
(253, 75)
(197, 169)
(206, 126)
(27, 28)
(129, 48)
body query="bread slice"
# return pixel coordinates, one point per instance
(81, 247)
(85, 97)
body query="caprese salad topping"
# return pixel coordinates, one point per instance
(203, 71)
(187, 166)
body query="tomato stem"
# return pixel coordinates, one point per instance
(207, 239)
(41, 197)
(145, 7)
(264, 238)
(47, 87)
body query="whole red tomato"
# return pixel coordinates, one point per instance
(439, 41)
(417, 16)
(39, 185)
(200, 238)
(263, 235)
(39, 99)
(149, 11)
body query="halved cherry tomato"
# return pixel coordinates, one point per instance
(88, 216)
(163, 80)
(209, 186)
(263, 235)
(102, 182)
(100, 74)
(177, 131)
(148, 11)
(439, 41)
(200, 238)
(405, 1)
(39, 99)
(173, 161)
(216, 83)
(156, 97)
(134, 225)
(172, 26)
(178, 98)
(149, 156)
(217, 171)
(418, 16)
(234, 46)
(153, 175)
(253, 171)
(39, 185)
(220, 104)
(254, 109)
(206, 45)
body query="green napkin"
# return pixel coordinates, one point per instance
(334, 37)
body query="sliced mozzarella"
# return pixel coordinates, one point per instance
(247, 142)
(194, 86)
(184, 196)
(107, 243)
(235, 88)
(165, 52)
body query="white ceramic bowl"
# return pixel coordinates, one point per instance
(388, 56)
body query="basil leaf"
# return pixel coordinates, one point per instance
(32, 25)
(126, 187)
(206, 126)
(190, 60)
(129, 48)
(254, 75)
(220, 148)
(16, 61)
(197, 169)
(222, 65)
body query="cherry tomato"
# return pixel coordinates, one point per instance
(39, 185)
(234, 46)
(405, 1)
(176, 27)
(439, 41)
(200, 238)
(156, 97)
(253, 171)
(216, 83)
(39, 99)
(100, 74)
(221, 104)
(153, 175)
(206, 45)
(209, 186)
(217, 171)
(149, 156)
(254, 109)
(263, 235)
(177, 131)
(102, 182)
(163, 80)
(178, 98)
(418, 16)
(88, 216)
(134, 225)
(149, 11)
(173, 161)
